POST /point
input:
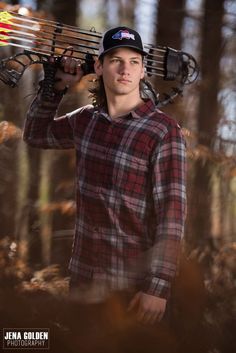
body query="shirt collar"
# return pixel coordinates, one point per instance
(144, 110)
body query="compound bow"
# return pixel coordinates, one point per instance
(41, 39)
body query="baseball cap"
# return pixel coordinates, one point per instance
(121, 37)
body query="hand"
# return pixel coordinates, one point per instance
(149, 308)
(69, 73)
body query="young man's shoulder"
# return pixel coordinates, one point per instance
(162, 118)
(84, 110)
(161, 123)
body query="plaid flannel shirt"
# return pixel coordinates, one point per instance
(130, 191)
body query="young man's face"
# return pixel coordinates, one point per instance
(122, 69)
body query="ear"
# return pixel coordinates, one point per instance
(98, 67)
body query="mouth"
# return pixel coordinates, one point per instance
(124, 81)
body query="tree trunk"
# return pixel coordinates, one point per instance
(27, 227)
(34, 227)
(126, 12)
(170, 19)
(8, 161)
(65, 12)
(207, 123)
(62, 169)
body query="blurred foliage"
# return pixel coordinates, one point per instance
(202, 315)
(9, 131)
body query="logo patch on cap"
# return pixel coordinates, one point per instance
(123, 34)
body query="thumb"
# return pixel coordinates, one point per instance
(134, 301)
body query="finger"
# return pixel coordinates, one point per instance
(51, 59)
(134, 302)
(73, 66)
(160, 315)
(140, 316)
(148, 317)
(79, 68)
(68, 65)
(145, 317)
(153, 318)
(142, 313)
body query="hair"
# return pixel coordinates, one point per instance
(98, 94)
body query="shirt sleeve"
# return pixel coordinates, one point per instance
(169, 195)
(42, 127)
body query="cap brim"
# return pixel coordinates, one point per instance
(142, 52)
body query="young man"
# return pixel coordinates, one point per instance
(130, 176)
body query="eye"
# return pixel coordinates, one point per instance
(134, 62)
(114, 60)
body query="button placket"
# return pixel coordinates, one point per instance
(108, 146)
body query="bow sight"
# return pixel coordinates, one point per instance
(41, 39)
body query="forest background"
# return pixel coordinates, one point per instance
(37, 203)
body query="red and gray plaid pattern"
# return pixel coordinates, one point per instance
(130, 191)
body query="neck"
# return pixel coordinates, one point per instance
(122, 105)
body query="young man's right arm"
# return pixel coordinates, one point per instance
(42, 128)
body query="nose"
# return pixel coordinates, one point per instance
(124, 68)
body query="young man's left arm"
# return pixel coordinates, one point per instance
(169, 195)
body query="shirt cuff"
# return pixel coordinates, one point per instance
(157, 287)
